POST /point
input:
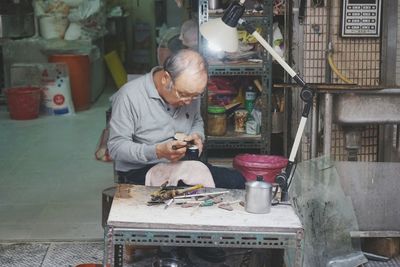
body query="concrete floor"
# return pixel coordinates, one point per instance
(50, 182)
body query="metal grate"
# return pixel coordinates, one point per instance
(357, 58)
(73, 253)
(314, 45)
(315, 27)
(22, 254)
(50, 254)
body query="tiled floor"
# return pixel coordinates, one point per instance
(50, 182)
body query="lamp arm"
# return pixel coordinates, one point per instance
(284, 179)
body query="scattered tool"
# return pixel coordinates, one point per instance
(168, 203)
(202, 194)
(169, 192)
(225, 206)
(228, 205)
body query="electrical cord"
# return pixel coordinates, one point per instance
(335, 69)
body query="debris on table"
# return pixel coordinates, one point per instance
(225, 206)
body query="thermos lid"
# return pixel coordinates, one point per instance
(258, 184)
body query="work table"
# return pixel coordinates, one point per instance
(132, 221)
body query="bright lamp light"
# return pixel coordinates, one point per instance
(220, 35)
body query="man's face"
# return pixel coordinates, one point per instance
(186, 88)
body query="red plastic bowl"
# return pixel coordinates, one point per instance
(253, 165)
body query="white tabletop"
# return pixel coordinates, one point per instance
(130, 210)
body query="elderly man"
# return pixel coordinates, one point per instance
(148, 111)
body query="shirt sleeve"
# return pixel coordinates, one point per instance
(122, 129)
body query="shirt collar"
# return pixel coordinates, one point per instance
(152, 90)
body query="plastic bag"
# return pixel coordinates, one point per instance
(278, 40)
(86, 19)
(57, 94)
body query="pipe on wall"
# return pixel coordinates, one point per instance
(328, 124)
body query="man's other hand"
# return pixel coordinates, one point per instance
(171, 150)
(196, 139)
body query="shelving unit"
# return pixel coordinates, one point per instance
(247, 69)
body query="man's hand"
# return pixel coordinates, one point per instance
(196, 141)
(171, 150)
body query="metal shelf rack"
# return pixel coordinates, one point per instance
(262, 70)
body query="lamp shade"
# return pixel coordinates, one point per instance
(220, 35)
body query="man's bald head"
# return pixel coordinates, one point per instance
(187, 62)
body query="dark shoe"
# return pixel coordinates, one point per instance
(210, 254)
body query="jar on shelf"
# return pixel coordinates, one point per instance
(216, 120)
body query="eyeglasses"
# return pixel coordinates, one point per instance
(187, 97)
(182, 96)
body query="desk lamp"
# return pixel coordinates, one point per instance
(221, 33)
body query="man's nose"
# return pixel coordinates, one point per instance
(187, 101)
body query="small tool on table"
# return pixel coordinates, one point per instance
(166, 193)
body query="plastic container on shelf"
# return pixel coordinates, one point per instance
(79, 74)
(23, 102)
(53, 27)
(216, 120)
(253, 165)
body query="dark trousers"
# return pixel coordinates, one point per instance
(223, 177)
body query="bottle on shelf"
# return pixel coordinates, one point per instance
(250, 98)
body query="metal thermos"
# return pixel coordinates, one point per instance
(213, 4)
(258, 196)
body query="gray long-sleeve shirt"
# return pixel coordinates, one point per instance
(141, 119)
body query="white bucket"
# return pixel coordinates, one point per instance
(53, 26)
(73, 32)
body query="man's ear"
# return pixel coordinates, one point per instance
(165, 78)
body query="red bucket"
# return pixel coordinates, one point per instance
(252, 165)
(23, 102)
